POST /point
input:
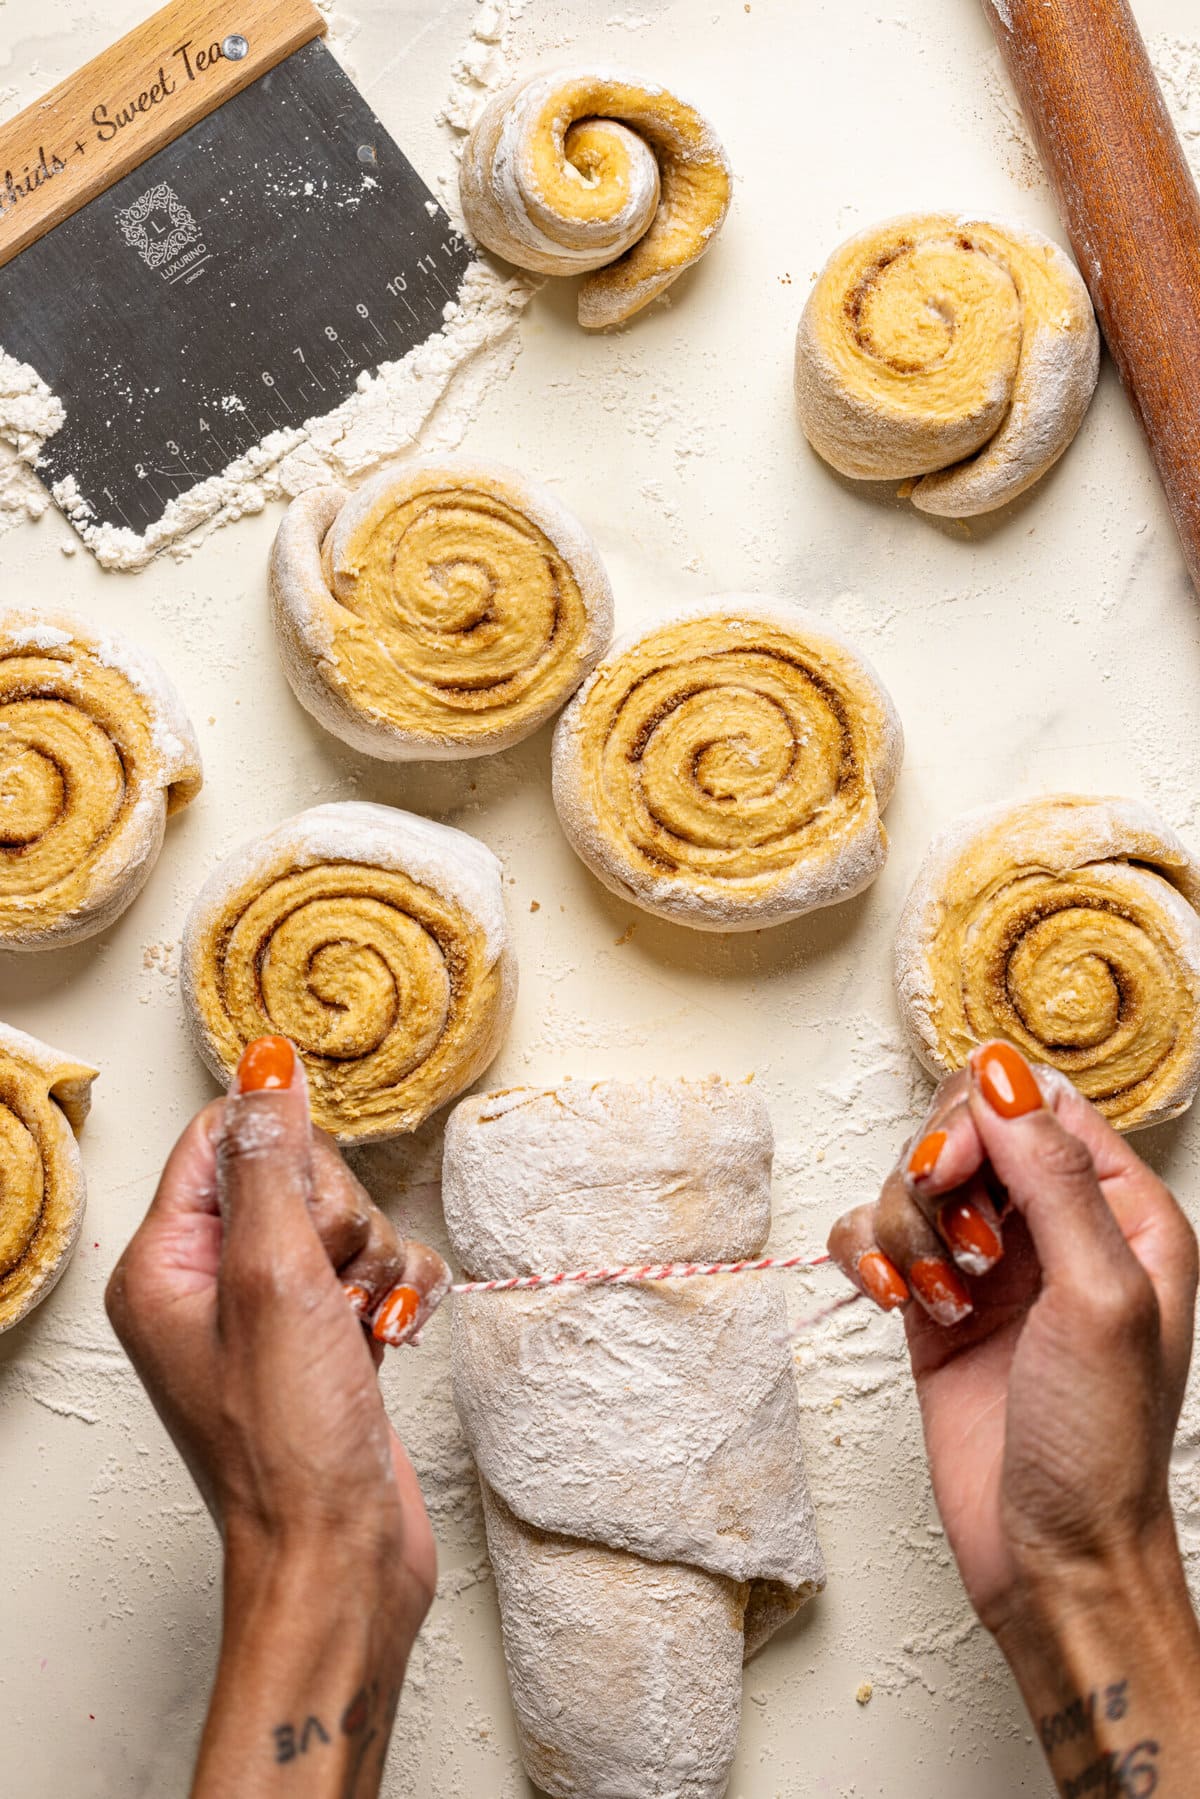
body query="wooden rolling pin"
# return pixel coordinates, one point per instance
(1131, 209)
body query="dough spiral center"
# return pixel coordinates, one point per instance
(361, 968)
(1080, 974)
(63, 790)
(720, 763)
(466, 597)
(942, 311)
(376, 942)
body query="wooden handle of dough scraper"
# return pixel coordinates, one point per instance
(1131, 209)
(133, 100)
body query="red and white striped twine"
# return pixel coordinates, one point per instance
(631, 1272)
(635, 1271)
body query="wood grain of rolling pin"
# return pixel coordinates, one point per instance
(1131, 209)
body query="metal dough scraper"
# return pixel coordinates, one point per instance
(206, 235)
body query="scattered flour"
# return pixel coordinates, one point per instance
(484, 65)
(29, 414)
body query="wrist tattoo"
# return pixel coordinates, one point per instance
(293, 1740)
(364, 1723)
(1078, 1718)
(1116, 1775)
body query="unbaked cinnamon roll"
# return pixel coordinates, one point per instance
(44, 1098)
(444, 609)
(376, 941)
(1069, 926)
(96, 752)
(728, 769)
(597, 171)
(950, 350)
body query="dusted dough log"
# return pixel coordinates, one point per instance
(950, 348)
(596, 170)
(626, 1675)
(444, 609)
(1069, 926)
(638, 1447)
(44, 1098)
(728, 769)
(377, 941)
(96, 752)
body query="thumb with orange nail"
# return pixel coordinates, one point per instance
(242, 1301)
(1048, 1282)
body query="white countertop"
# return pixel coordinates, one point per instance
(1057, 645)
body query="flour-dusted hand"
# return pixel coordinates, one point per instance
(241, 1302)
(1050, 1281)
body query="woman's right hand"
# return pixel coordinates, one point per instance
(242, 1301)
(1049, 1284)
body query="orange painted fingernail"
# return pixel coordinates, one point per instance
(358, 1296)
(971, 1237)
(267, 1064)
(940, 1290)
(1006, 1080)
(924, 1157)
(396, 1314)
(882, 1280)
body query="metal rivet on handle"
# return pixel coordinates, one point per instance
(235, 46)
(366, 153)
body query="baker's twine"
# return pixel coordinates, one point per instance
(629, 1273)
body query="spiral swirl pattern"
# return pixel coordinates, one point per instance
(951, 350)
(376, 941)
(583, 170)
(444, 610)
(728, 770)
(95, 751)
(1068, 926)
(42, 1096)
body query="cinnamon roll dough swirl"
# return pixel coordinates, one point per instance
(444, 609)
(96, 752)
(1069, 926)
(376, 941)
(44, 1098)
(728, 769)
(948, 348)
(596, 170)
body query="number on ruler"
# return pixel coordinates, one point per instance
(139, 469)
(332, 335)
(173, 448)
(362, 311)
(268, 378)
(397, 285)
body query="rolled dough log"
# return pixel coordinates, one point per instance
(638, 1447)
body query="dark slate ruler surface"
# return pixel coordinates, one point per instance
(238, 282)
